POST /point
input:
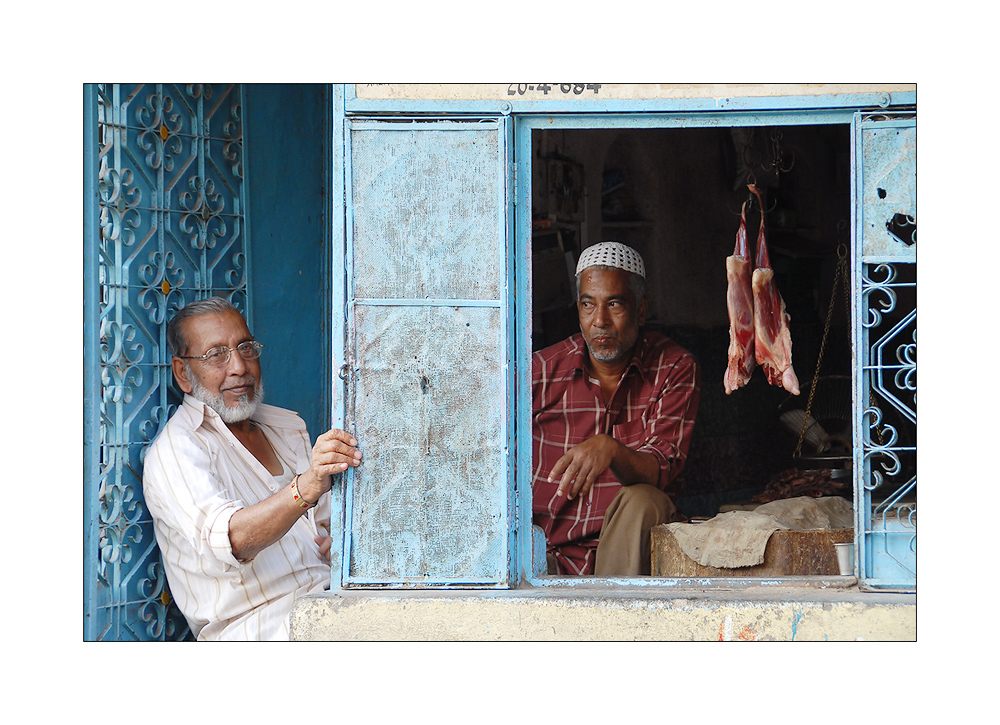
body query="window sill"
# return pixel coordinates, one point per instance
(604, 610)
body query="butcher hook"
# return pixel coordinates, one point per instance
(752, 199)
(778, 163)
(755, 193)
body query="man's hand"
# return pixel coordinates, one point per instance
(334, 451)
(324, 543)
(583, 464)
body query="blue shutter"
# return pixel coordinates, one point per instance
(427, 354)
(885, 330)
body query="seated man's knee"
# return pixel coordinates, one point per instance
(653, 504)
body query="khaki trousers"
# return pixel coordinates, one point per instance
(624, 548)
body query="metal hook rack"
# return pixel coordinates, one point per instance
(781, 163)
(778, 163)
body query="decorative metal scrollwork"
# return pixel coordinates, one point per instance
(888, 424)
(159, 277)
(883, 287)
(232, 150)
(158, 133)
(117, 349)
(203, 209)
(165, 203)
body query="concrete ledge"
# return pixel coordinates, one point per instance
(572, 614)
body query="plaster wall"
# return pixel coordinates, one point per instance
(601, 615)
(621, 91)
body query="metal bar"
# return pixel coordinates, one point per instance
(688, 120)
(337, 300)
(849, 101)
(861, 466)
(343, 138)
(430, 583)
(508, 523)
(442, 123)
(522, 353)
(91, 360)
(689, 583)
(244, 206)
(510, 368)
(888, 259)
(428, 302)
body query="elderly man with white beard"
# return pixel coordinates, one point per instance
(236, 491)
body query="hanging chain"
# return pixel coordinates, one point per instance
(839, 272)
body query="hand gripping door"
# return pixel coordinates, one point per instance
(428, 392)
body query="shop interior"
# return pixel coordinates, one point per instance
(675, 195)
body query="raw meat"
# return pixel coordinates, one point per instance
(739, 300)
(794, 483)
(772, 338)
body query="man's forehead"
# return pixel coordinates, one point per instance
(215, 327)
(605, 283)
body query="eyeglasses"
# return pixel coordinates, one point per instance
(219, 356)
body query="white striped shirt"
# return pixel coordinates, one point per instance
(196, 476)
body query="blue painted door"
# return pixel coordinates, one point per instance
(165, 212)
(427, 353)
(885, 326)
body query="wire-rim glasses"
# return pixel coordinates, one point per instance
(219, 356)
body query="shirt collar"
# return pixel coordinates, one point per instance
(196, 414)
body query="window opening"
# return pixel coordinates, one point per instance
(675, 194)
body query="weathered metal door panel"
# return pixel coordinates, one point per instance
(427, 330)
(885, 330)
(888, 185)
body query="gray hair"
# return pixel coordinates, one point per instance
(635, 283)
(210, 306)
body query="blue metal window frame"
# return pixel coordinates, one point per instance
(578, 113)
(524, 126)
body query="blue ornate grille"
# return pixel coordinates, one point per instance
(889, 422)
(171, 229)
(886, 341)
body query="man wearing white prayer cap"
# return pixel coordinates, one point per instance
(613, 408)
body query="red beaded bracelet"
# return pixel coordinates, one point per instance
(298, 496)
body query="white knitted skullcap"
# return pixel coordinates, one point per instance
(612, 254)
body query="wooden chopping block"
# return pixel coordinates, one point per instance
(788, 553)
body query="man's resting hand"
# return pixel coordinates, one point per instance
(585, 462)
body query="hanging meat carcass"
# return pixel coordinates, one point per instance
(772, 338)
(739, 300)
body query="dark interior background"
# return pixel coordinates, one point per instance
(675, 196)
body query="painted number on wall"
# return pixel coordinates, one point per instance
(545, 88)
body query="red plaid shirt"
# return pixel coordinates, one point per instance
(652, 410)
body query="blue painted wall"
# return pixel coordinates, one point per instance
(286, 147)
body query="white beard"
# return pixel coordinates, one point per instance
(245, 405)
